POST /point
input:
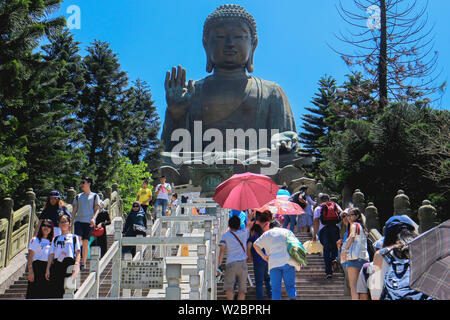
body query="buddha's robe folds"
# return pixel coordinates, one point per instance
(263, 105)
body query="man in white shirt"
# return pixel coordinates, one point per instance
(163, 193)
(234, 242)
(281, 265)
(86, 207)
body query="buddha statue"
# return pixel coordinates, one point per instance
(229, 98)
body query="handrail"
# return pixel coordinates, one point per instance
(87, 285)
(109, 255)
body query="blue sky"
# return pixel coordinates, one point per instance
(151, 36)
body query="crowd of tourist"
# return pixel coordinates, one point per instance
(252, 236)
(370, 275)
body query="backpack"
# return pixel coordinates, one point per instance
(329, 214)
(300, 199)
(396, 280)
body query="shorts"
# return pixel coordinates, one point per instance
(355, 263)
(84, 230)
(233, 270)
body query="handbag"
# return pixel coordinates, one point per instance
(138, 229)
(98, 232)
(296, 250)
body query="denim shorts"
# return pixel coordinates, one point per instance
(355, 263)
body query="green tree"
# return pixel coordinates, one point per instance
(129, 177)
(315, 129)
(27, 89)
(143, 141)
(105, 112)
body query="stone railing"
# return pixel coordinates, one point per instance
(167, 232)
(16, 227)
(426, 214)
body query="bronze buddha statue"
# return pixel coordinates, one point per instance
(229, 98)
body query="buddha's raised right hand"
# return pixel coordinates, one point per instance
(178, 94)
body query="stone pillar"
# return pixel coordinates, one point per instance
(427, 217)
(201, 265)
(94, 267)
(194, 283)
(115, 283)
(358, 200)
(319, 189)
(33, 219)
(372, 219)
(7, 212)
(346, 196)
(71, 193)
(173, 276)
(108, 191)
(401, 204)
(70, 284)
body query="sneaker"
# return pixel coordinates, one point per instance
(335, 265)
(329, 276)
(82, 267)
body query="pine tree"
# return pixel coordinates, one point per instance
(27, 88)
(315, 127)
(105, 112)
(143, 142)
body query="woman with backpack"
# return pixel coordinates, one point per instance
(354, 251)
(65, 251)
(391, 268)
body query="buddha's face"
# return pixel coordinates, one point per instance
(229, 44)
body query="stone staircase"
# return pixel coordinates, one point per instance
(19, 288)
(310, 281)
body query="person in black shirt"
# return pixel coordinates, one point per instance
(102, 221)
(53, 210)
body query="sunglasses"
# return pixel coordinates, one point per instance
(135, 206)
(83, 182)
(47, 225)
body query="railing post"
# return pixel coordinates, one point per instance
(33, 218)
(201, 266)
(7, 213)
(402, 204)
(71, 193)
(108, 192)
(127, 292)
(427, 216)
(194, 283)
(173, 276)
(115, 290)
(95, 267)
(372, 220)
(70, 284)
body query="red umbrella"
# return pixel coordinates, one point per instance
(245, 191)
(282, 206)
